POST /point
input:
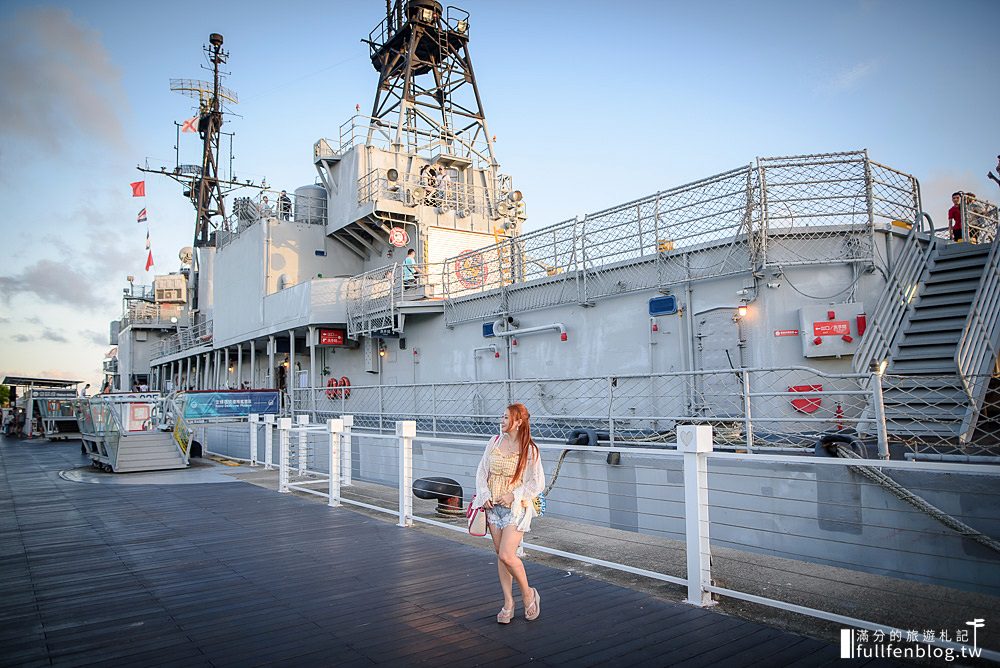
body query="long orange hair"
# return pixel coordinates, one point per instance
(525, 445)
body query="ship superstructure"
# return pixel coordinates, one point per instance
(778, 300)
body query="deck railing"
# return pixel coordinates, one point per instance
(746, 527)
(780, 212)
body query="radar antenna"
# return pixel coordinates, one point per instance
(426, 79)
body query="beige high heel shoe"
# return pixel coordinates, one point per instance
(505, 615)
(532, 611)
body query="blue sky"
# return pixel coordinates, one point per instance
(592, 103)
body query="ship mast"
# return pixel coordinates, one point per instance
(206, 190)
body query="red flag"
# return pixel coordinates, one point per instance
(141, 218)
(149, 260)
(138, 189)
(190, 125)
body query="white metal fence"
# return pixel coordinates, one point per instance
(867, 544)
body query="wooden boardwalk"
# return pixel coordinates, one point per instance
(235, 575)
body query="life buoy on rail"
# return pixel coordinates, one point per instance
(331, 392)
(345, 383)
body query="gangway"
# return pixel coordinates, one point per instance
(121, 433)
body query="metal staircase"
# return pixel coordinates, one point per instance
(929, 391)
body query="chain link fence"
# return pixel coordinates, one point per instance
(783, 211)
(750, 409)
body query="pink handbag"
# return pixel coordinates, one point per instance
(476, 518)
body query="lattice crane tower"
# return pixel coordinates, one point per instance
(427, 87)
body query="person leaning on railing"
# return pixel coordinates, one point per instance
(508, 479)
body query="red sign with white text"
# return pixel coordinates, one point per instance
(331, 337)
(832, 328)
(786, 332)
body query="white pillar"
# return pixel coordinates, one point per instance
(336, 428)
(225, 367)
(268, 441)
(253, 364)
(284, 426)
(695, 442)
(270, 364)
(253, 420)
(311, 333)
(290, 375)
(406, 430)
(239, 367)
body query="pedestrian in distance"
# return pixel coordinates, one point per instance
(955, 216)
(284, 206)
(508, 479)
(410, 271)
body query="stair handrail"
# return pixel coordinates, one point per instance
(885, 320)
(977, 352)
(181, 434)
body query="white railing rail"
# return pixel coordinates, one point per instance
(706, 497)
(885, 320)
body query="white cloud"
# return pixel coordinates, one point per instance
(57, 74)
(850, 78)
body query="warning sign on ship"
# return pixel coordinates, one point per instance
(398, 237)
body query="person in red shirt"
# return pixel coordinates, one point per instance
(955, 216)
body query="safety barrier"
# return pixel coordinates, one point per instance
(873, 545)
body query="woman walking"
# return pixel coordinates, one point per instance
(508, 479)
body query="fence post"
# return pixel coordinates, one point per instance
(747, 421)
(303, 435)
(406, 430)
(252, 420)
(268, 442)
(879, 408)
(284, 427)
(695, 441)
(346, 461)
(611, 414)
(336, 429)
(380, 411)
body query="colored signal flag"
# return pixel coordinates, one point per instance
(141, 218)
(190, 125)
(138, 189)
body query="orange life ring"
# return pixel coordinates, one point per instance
(332, 393)
(345, 383)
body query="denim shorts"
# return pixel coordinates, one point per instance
(499, 516)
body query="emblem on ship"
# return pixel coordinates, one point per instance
(471, 269)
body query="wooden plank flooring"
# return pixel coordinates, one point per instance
(236, 575)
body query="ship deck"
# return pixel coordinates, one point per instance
(234, 574)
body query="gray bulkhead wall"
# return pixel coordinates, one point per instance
(262, 259)
(613, 336)
(239, 285)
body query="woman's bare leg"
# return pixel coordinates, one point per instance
(506, 581)
(507, 553)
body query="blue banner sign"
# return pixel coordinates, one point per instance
(229, 404)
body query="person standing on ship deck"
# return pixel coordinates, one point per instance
(955, 216)
(508, 479)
